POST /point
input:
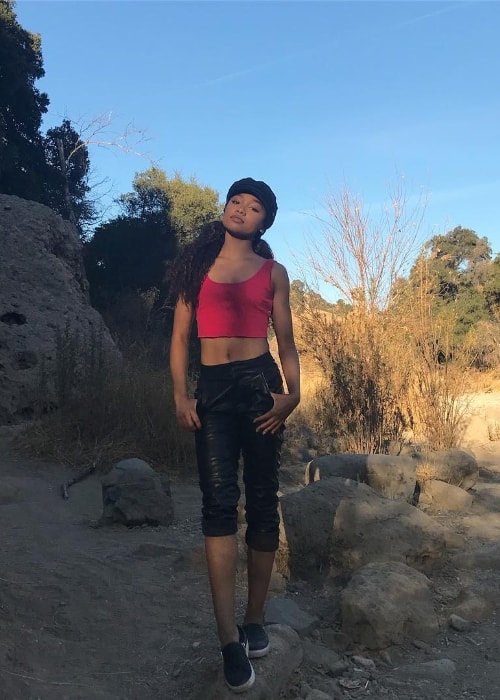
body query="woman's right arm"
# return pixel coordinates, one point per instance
(185, 407)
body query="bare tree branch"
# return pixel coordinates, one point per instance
(362, 258)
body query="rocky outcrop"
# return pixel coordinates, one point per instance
(43, 290)
(337, 525)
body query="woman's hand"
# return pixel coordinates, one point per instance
(187, 417)
(272, 420)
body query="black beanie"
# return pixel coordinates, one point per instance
(259, 189)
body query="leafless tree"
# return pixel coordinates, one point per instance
(362, 258)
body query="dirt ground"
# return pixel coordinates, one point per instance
(124, 614)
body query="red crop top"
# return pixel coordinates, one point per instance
(236, 309)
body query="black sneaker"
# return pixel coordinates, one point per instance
(258, 641)
(238, 672)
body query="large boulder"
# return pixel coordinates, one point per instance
(134, 494)
(391, 476)
(337, 525)
(386, 602)
(43, 290)
(443, 496)
(453, 466)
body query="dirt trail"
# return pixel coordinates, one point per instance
(125, 614)
(107, 613)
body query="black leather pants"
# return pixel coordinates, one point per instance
(230, 396)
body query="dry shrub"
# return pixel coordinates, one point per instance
(493, 431)
(108, 409)
(361, 403)
(390, 369)
(440, 388)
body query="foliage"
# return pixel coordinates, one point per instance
(129, 255)
(438, 391)
(457, 272)
(392, 366)
(361, 402)
(108, 409)
(191, 206)
(68, 157)
(301, 295)
(23, 170)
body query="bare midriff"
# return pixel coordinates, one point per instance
(218, 351)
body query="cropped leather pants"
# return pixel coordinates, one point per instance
(229, 397)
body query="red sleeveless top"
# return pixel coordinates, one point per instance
(236, 309)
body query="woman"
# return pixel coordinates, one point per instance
(227, 280)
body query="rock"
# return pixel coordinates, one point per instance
(368, 664)
(344, 466)
(452, 466)
(391, 476)
(438, 669)
(321, 657)
(337, 525)
(318, 695)
(484, 557)
(458, 623)
(274, 670)
(443, 496)
(334, 639)
(283, 611)
(385, 603)
(476, 602)
(306, 523)
(134, 494)
(43, 289)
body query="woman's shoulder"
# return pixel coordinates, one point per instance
(278, 272)
(277, 266)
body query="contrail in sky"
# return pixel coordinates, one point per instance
(282, 59)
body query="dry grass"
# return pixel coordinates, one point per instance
(375, 380)
(108, 409)
(493, 431)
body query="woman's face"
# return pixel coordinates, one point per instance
(244, 215)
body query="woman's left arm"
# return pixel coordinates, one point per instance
(284, 404)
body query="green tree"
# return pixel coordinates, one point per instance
(455, 260)
(301, 295)
(454, 269)
(23, 170)
(129, 253)
(149, 198)
(192, 206)
(68, 157)
(492, 288)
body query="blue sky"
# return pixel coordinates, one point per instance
(305, 95)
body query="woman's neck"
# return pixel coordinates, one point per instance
(237, 247)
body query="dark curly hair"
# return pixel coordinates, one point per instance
(197, 257)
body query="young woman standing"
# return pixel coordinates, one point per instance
(227, 280)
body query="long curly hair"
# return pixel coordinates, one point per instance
(195, 259)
